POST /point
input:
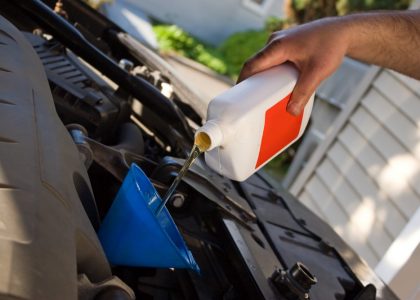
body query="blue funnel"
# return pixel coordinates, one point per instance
(132, 235)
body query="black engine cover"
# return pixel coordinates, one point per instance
(80, 95)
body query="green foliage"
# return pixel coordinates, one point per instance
(301, 11)
(349, 6)
(274, 23)
(237, 48)
(173, 38)
(278, 166)
(226, 59)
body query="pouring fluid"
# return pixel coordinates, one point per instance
(247, 126)
(201, 144)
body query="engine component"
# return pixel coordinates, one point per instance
(294, 239)
(72, 38)
(46, 238)
(150, 58)
(116, 160)
(177, 200)
(224, 238)
(126, 64)
(80, 96)
(112, 288)
(294, 283)
(78, 134)
(130, 138)
(216, 188)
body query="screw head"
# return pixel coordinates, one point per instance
(177, 200)
(126, 64)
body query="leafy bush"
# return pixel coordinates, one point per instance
(279, 165)
(237, 48)
(301, 11)
(348, 6)
(227, 59)
(274, 23)
(173, 38)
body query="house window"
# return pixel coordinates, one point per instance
(258, 6)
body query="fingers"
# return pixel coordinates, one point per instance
(316, 49)
(307, 82)
(275, 53)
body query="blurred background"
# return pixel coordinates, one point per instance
(358, 164)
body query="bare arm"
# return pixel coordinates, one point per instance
(388, 39)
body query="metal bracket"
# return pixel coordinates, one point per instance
(115, 161)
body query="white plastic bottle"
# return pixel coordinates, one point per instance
(248, 125)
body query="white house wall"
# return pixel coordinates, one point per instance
(365, 180)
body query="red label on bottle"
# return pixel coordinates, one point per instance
(280, 129)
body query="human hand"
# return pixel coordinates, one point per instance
(315, 48)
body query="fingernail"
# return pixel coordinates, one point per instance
(293, 108)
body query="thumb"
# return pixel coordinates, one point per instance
(306, 84)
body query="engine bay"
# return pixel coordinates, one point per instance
(82, 102)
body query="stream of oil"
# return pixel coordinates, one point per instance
(201, 144)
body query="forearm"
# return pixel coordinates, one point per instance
(390, 40)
